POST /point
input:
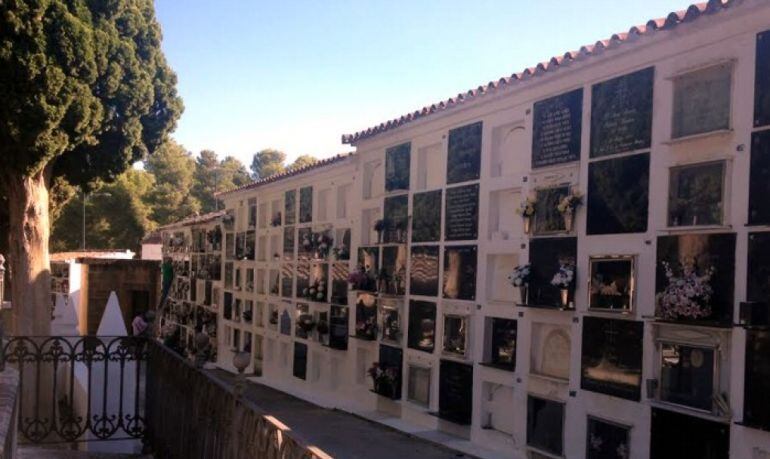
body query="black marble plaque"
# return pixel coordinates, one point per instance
(618, 195)
(705, 251)
(396, 214)
(612, 357)
(423, 275)
(461, 219)
(422, 325)
(340, 283)
(502, 352)
(306, 204)
(756, 402)
(621, 113)
(545, 425)
(677, 436)
(464, 154)
(397, 165)
(290, 207)
(394, 269)
(455, 392)
(758, 279)
(546, 256)
(762, 81)
(548, 219)
(228, 306)
(426, 216)
(606, 440)
(759, 179)
(556, 129)
(288, 243)
(391, 360)
(338, 327)
(287, 281)
(285, 323)
(460, 264)
(300, 360)
(687, 375)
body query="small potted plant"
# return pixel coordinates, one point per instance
(322, 244)
(687, 294)
(564, 279)
(567, 207)
(519, 277)
(527, 211)
(380, 226)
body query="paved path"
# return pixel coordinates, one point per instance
(339, 434)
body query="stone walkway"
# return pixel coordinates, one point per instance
(339, 434)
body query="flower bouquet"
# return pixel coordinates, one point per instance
(687, 294)
(367, 328)
(563, 279)
(321, 244)
(527, 211)
(519, 277)
(316, 291)
(384, 379)
(567, 207)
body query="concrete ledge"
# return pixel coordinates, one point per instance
(9, 392)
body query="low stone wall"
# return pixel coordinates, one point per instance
(9, 390)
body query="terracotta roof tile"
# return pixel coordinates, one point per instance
(195, 220)
(672, 20)
(301, 170)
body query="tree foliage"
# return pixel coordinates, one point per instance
(302, 161)
(174, 171)
(266, 163)
(213, 175)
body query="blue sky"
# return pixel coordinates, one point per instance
(296, 75)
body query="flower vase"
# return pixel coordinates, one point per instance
(565, 298)
(568, 218)
(523, 293)
(527, 224)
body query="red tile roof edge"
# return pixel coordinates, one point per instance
(194, 220)
(289, 173)
(672, 20)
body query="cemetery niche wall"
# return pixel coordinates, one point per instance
(612, 357)
(556, 129)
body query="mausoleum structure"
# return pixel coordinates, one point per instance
(572, 261)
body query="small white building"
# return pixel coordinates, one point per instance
(657, 343)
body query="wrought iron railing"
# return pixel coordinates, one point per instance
(78, 388)
(192, 415)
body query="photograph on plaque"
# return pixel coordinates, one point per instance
(545, 425)
(546, 256)
(287, 280)
(304, 243)
(397, 165)
(464, 154)
(762, 80)
(228, 306)
(455, 392)
(621, 113)
(687, 375)
(611, 283)
(455, 334)
(423, 273)
(759, 178)
(366, 317)
(422, 325)
(306, 204)
(607, 440)
(393, 270)
(695, 194)
(288, 243)
(338, 327)
(703, 262)
(300, 360)
(426, 216)
(369, 258)
(460, 264)
(391, 320)
(678, 436)
(340, 283)
(461, 217)
(618, 195)
(290, 207)
(556, 129)
(611, 361)
(396, 214)
(548, 219)
(756, 402)
(390, 364)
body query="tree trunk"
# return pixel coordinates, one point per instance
(28, 254)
